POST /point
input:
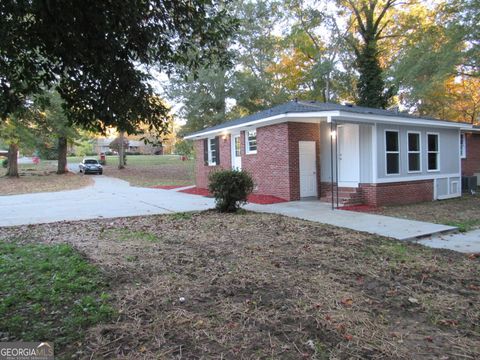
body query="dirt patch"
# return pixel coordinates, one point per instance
(205, 285)
(463, 212)
(42, 181)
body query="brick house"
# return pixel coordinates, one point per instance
(470, 151)
(340, 153)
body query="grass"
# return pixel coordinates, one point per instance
(49, 293)
(151, 170)
(463, 212)
(41, 178)
(209, 285)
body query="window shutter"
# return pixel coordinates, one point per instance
(217, 148)
(205, 152)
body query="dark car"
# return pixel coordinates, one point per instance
(91, 166)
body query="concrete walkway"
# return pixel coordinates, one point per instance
(396, 228)
(107, 198)
(468, 242)
(110, 197)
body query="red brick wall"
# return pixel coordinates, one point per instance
(275, 167)
(301, 132)
(399, 193)
(269, 166)
(471, 164)
(202, 170)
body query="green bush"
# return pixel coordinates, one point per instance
(5, 163)
(230, 188)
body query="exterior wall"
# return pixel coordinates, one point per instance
(449, 147)
(366, 153)
(202, 170)
(301, 132)
(471, 163)
(399, 193)
(269, 167)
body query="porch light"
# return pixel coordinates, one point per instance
(333, 134)
(224, 135)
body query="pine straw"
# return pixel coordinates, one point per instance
(267, 286)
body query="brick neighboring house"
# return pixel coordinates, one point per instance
(470, 152)
(362, 155)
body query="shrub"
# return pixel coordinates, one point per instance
(230, 188)
(5, 163)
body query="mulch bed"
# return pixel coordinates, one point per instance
(168, 187)
(252, 198)
(359, 208)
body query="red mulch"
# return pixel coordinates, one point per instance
(167, 187)
(359, 208)
(253, 198)
(196, 191)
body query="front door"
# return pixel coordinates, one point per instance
(348, 155)
(308, 168)
(236, 153)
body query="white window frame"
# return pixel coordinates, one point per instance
(210, 142)
(419, 152)
(434, 152)
(463, 146)
(391, 152)
(247, 143)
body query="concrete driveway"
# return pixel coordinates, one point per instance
(111, 197)
(108, 198)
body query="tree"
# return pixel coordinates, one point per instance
(55, 127)
(18, 130)
(370, 19)
(101, 52)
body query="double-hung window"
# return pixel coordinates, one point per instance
(251, 142)
(463, 146)
(392, 149)
(414, 157)
(211, 154)
(433, 153)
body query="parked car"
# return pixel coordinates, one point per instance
(91, 166)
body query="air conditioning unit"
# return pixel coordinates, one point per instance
(469, 184)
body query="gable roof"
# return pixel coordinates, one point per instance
(299, 107)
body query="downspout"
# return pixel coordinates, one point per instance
(329, 119)
(336, 161)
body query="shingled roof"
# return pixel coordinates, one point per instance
(308, 106)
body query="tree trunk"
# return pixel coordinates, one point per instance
(12, 160)
(62, 155)
(121, 151)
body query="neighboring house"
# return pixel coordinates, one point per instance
(470, 151)
(102, 145)
(3, 152)
(305, 149)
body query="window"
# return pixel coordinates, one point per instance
(463, 146)
(414, 152)
(251, 142)
(432, 152)
(237, 146)
(212, 151)
(392, 152)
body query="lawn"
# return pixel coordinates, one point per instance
(40, 178)
(151, 170)
(462, 212)
(261, 286)
(49, 293)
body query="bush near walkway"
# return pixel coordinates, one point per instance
(248, 285)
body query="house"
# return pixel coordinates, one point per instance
(470, 151)
(102, 145)
(357, 155)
